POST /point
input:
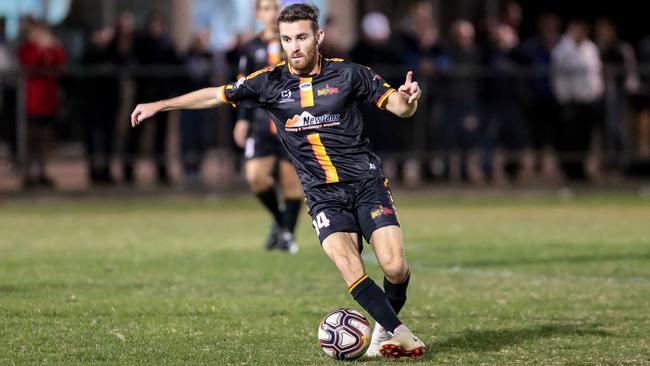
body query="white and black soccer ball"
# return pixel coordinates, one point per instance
(344, 334)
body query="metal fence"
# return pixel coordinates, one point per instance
(420, 137)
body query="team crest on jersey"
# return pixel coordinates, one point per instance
(328, 90)
(306, 121)
(381, 211)
(285, 97)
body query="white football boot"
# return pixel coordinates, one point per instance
(403, 344)
(287, 243)
(379, 334)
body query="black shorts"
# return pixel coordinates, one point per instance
(261, 144)
(358, 207)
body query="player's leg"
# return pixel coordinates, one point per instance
(293, 201)
(380, 226)
(343, 249)
(388, 244)
(338, 232)
(389, 250)
(258, 175)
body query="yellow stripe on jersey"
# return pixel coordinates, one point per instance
(306, 93)
(266, 69)
(381, 103)
(357, 282)
(331, 175)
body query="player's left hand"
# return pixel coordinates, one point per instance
(410, 90)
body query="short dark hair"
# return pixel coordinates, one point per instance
(296, 12)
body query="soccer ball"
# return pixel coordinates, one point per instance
(344, 334)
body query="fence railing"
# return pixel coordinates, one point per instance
(435, 86)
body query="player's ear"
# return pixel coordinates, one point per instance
(320, 36)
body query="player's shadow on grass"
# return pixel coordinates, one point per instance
(495, 340)
(570, 259)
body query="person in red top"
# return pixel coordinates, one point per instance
(40, 54)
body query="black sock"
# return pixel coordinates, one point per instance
(270, 200)
(396, 293)
(291, 211)
(366, 292)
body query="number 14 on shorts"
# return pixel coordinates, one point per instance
(321, 221)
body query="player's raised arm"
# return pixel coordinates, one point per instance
(199, 99)
(404, 103)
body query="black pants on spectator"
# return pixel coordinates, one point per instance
(8, 121)
(133, 146)
(99, 136)
(579, 121)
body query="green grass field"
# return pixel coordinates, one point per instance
(496, 281)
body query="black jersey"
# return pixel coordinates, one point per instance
(258, 54)
(317, 117)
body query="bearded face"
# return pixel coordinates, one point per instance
(300, 42)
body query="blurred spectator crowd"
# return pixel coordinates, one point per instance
(570, 102)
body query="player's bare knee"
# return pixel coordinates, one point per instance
(395, 270)
(258, 182)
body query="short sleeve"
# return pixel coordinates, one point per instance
(370, 87)
(247, 91)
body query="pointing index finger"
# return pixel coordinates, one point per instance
(409, 77)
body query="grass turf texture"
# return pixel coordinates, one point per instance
(495, 282)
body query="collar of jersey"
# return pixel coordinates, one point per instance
(320, 67)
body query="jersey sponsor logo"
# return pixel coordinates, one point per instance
(305, 86)
(306, 93)
(239, 82)
(306, 121)
(328, 90)
(381, 211)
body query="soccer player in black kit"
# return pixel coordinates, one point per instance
(257, 135)
(313, 103)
